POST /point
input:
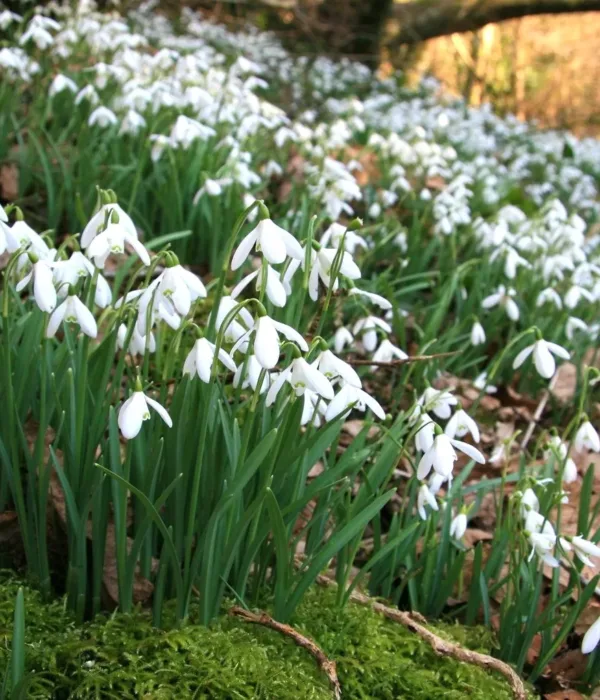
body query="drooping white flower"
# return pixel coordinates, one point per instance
(425, 432)
(541, 536)
(175, 289)
(591, 638)
(477, 334)
(102, 216)
(387, 352)
(136, 410)
(103, 117)
(574, 325)
(438, 401)
(336, 234)
(68, 272)
(341, 338)
(266, 340)
(377, 299)
(44, 292)
(480, 382)
(62, 83)
(458, 526)
(425, 498)
(335, 368)
(542, 357)
(274, 288)
(274, 242)
(441, 456)
(313, 409)
(250, 375)
(322, 263)
(368, 328)
(132, 123)
(549, 295)
(137, 344)
(301, 376)
(236, 329)
(529, 501)
(72, 310)
(462, 424)
(201, 358)
(586, 438)
(349, 397)
(559, 449)
(583, 549)
(503, 297)
(112, 241)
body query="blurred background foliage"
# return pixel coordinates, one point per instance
(539, 66)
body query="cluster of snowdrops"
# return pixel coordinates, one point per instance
(476, 242)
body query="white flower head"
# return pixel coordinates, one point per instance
(425, 498)
(274, 242)
(477, 334)
(301, 376)
(201, 358)
(136, 410)
(441, 456)
(543, 360)
(458, 526)
(462, 424)
(72, 310)
(586, 438)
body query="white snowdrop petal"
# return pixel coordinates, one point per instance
(162, 412)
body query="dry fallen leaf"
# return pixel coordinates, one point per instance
(565, 382)
(564, 695)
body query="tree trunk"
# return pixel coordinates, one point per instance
(420, 20)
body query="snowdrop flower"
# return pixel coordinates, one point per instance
(387, 352)
(89, 94)
(542, 357)
(132, 123)
(322, 264)
(368, 327)
(425, 432)
(425, 498)
(480, 382)
(274, 287)
(251, 376)
(274, 242)
(68, 272)
(103, 215)
(302, 376)
(560, 450)
(266, 340)
(440, 402)
(103, 117)
(341, 338)
(72, 310)
(462, 424)
(337, 234)
(503, 297)
(574, 296)
(313, 408)
(591, 638)
(586, 438)
(382, 302)
(137, 344)
(7, 18)
(21, 235)
(549, 295)
(335, 368)
(583, 549)
(60, 84)
(175, 289)
(529, 501)
(186, 130)
(477, 334)
(352, 397)
(43, 286)
(573, 325)
(458, 526)
(441, 456)
(112, 241)
(159, 143)
(541, 536)
(136, 410)
(213, 188)
(201, 358)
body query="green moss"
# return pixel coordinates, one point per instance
(124, 657)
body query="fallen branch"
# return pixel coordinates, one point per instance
(327, 665)
(397, 363)
(412, 621)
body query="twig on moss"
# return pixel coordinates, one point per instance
(442, 647)
(398, 363)
(327, 665)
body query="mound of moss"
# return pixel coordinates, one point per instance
(124, 657)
